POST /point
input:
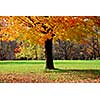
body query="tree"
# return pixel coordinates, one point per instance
(46, 29)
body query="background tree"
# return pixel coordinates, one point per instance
(30, 51)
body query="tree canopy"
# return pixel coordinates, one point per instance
(38, 29)
(45, 29)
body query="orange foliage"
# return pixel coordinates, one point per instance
(40, 28)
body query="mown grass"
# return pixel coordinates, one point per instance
(26, 66)
(34, 71)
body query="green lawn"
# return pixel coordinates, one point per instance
(34, 71)
(39, 65)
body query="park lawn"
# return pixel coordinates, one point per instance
(34, 71)
(36, 66)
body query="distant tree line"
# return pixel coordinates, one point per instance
(7, 50)
(69, 50)
(62, 50)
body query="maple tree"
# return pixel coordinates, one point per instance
(46, 29)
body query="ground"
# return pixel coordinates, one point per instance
(34, 72)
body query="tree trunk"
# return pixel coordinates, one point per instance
(93, 47)
(48, 54)
(98, 47)
(36, 55)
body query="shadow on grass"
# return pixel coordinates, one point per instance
(57, 70)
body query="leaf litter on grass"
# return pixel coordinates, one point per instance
(52, 77)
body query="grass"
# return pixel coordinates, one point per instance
(34, 71)
(20, 67)
(39, 65)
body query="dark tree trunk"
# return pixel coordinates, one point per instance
(36, 55)
(48, 54)
(93, 47)
(98, 47)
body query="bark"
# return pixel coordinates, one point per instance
(48, 54)
(0, 50)
(36, 55)
(93, 46)
(98, 47)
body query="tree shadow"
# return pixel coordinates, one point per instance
(61, 70)
(91, 71)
